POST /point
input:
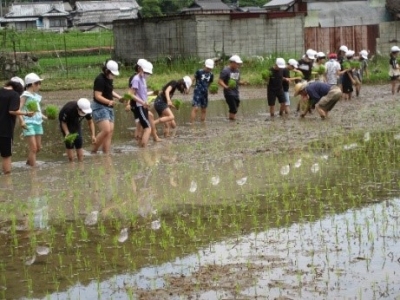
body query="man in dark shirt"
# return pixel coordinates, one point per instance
(322, 95)
(70, 118)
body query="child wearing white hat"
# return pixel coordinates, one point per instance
(203, 77)
(394, 69)
(32, 126)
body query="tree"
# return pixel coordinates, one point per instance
(150, 8)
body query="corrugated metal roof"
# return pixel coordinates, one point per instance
(105, 5)
(35, 9)
(278, 3)
(209, 5)
(344, 13)
(103, 17)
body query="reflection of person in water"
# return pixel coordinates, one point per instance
(39, 202)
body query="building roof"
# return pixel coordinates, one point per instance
(343, 13)
(208, 5)
(279, 4)
(4, 20)
(25, 10)
(85, 6)
(104, 12)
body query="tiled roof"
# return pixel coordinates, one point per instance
(24, 10)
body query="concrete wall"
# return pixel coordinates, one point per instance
(389, 35)
(207, 36)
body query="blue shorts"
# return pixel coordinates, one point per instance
(200, 99)
(287, 97)
(33, 129)
(102, 113)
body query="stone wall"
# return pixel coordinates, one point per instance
(389, 35)
(207, 36)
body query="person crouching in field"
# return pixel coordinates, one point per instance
(322, 95)
(70, 118)
(9, 110)
(394, 69)
(163, 102)
(204, 77)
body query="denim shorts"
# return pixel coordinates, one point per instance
(33, 129)
(287, 97)
(102, 113)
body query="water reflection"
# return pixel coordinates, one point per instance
(337, 257)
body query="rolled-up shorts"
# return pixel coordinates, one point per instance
(329, 101)
(143, 114)
(5, 146)
(272, 95)
(33, 129)
(233, 103)
(102, 113)
(200, 99)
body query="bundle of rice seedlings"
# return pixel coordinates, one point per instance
(70, 138)
(177, 103)
(232, 84)
(150, 99)
(213, 88)
(321, 70)
(126, 97)
(266, 74)
(51, 111)
(346, 65)
(355, 64)
(32, 106)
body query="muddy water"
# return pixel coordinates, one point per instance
(245, 209)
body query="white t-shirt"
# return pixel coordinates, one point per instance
(331, 68)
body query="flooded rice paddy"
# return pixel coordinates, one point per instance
(254, 209)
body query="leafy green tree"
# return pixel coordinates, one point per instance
(150, 8)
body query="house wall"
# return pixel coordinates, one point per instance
(389, 35)
(207, 36)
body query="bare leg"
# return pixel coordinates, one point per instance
(79, 154)
(6, 165)
(203, 114)
(193, 114)
(34, 144)
(272, 111)
(103, 138)
(321, 112)
(232, 117)
(153, 128)
(70, 154)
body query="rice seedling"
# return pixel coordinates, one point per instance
(213, 88)
(32, 106)
(177, 103)
(51, 112)
(232, 84)
(266, 74)
(70, 138)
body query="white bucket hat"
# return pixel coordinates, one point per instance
(32, 78)
(236, 59)
(209, 63)
(112, 66)
(280, 62)
(293, 63)
(364, 54)
(310, 53)
(84, 105)
(147, 67)
(188, 81)
(344, 48)
(350, 53)
(18, 79)
(395, 49)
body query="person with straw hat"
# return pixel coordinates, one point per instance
(320, 94)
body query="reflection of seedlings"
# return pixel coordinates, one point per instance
(193, 187)
(350, 146)
(241, 181)
(238, 164)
